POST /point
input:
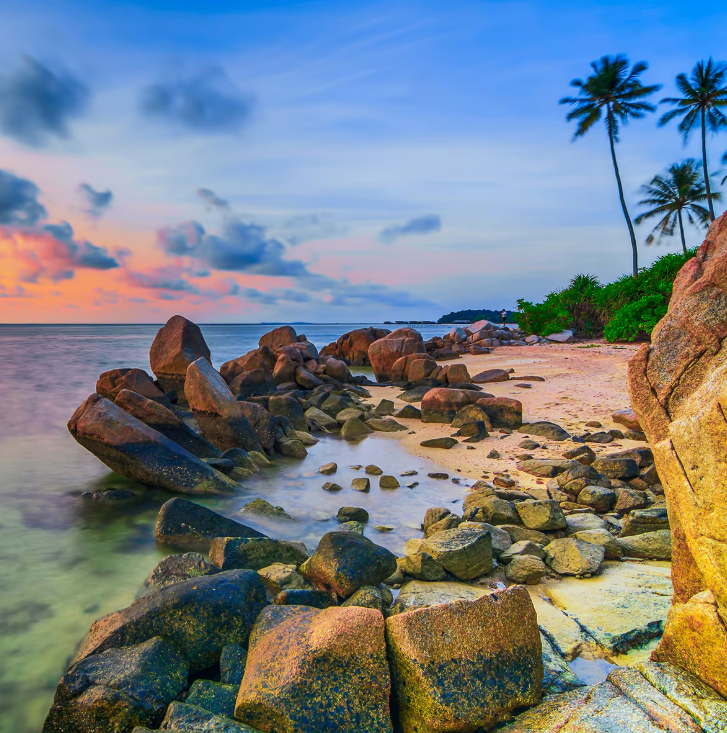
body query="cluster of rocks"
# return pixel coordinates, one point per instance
(262, 635)
(196, 430)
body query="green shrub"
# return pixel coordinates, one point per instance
(624, 310)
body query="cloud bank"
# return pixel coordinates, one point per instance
(419, 225)
(19, 205)
(97, 202)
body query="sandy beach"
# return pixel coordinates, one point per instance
(583, 382)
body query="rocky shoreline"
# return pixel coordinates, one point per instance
(474, 623)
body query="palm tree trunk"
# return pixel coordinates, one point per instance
(634, 250)
(681, 230)
(704, 167)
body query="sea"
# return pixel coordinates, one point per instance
(66, 561)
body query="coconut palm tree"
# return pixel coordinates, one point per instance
(683, 190)
(704, 93)
(615, 91)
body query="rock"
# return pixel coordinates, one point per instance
(336, 403)
(258, 359)
(316, 670)
(645, 520)
(471, 414)
(289, 407)
(526, 569)
(278, 577)
(373, 470)
(200, 616)
(503, 412)
(304, 597)
(524, 547)
(119, 688)
(440, 405)
(338, 370)
(649, 545)
(232, 664)
(330, 486)
(360, 484)
(603, 538)
(563, 337)
(255, 383)
(344, 561)
(281, 336)
(190, 526)
(518, 534)
(264, 425)
(419, 368)
(545, 467)
(388, 482)
(548, 430)
(265, 509)
(175, 568)
(386, 426)
(415, 394)
(191, 719)
(569, 556)
(582, 453)
(129, 447)
(352, 513)
(354, 429)
(328, 468)
(627, 418)
(491, 375)
(217, 412)
(422, 566)
(292, 447)
(471, 679)
(240, 459)
(214, 697)
(457, 374)
(254, 553)
(615, 467)
(630, 499)
(600, 437)
(577, 477)
(305, 379)
(599, 499)
(367, 597)
(485, 507)
(408, 412)
(385, 407)
(446, 443)
(433, 515)
(581, 522)
(110, 383)
(448, 521)
(466, 553)
(325, 422)
(541, 515)
(177, 344)
(353, 347)
(383, 353)
(557, 675)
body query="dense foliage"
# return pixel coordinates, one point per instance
(625, 310)
(476, 315)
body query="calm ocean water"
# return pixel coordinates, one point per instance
(64, 562)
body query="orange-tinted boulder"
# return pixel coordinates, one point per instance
(166, 422)
(266, 427)
(353, 347)
(384, 352)
(679, 394)
(455, 373)
(316, 670)
(442, 404)
(281, 336)
(421, 368)
(177, 344)
(627, 418)
(465, 665)
(129, 447)
(262, 358)
(402, 366)
(504, 412)
(216, 410)
(110, 383)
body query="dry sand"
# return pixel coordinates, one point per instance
(583, 382)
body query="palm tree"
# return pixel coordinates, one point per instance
(682, 190)
(617, 91)
(704, 93)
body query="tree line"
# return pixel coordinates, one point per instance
(615, 93)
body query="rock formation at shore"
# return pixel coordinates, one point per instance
(678, 389)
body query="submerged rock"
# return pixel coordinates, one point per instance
(129, 447)
(317, 670)
(465, 665)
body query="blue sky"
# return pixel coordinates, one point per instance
(412, 158)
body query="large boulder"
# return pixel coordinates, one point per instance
(343, 562)
(464, 552)
(465, 665)
(281, 336)
(217, 412)
(316, 670)
(118, 689)
(678, 391)
(402, 366)
(504, 412)
(353, 347)
(110, 383)
(568, 556)
(177, 344)
(384, 352)
(442, 404)
(200, 616)
(266, 427)
(176, 568)
(190, 526)
(254, 553)
(262, 358)
(129, 447)
(166, 422)
(288, 406)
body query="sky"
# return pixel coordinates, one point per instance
(322, 161)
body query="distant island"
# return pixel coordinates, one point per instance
(470, 316)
